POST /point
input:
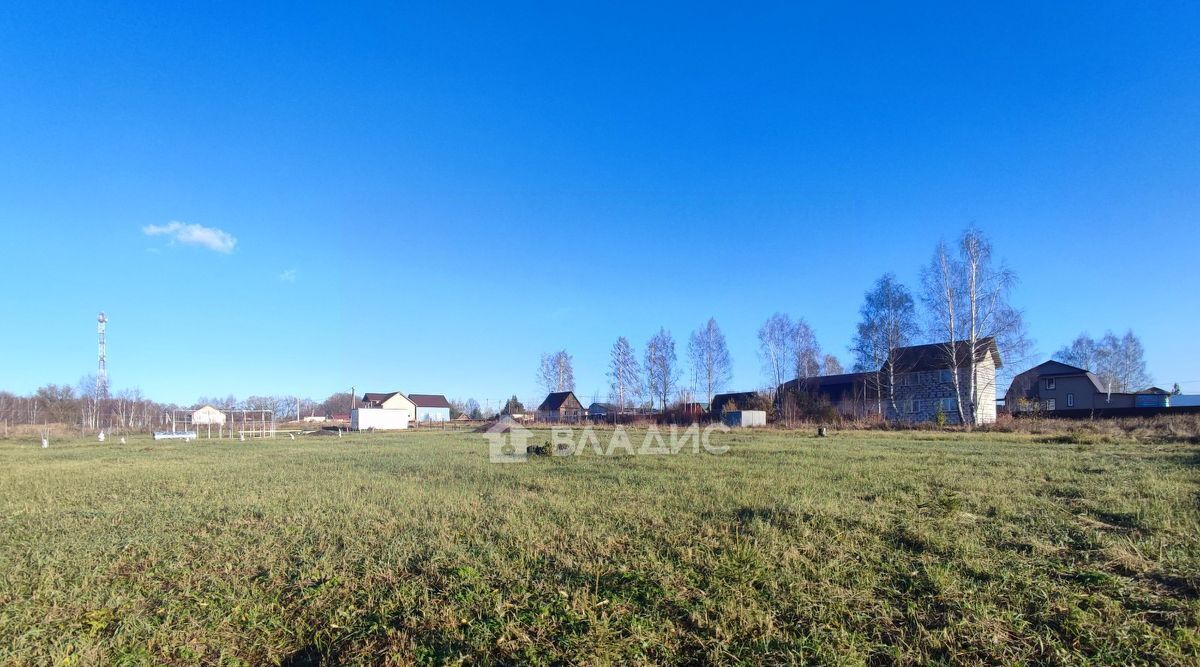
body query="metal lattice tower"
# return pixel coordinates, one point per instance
(101, 371)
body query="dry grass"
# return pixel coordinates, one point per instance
(875, 547)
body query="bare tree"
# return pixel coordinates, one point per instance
(556, 373)
(471, 409)
(1131, 364)
(1083, 352)
(712, 366)
(806, 351)
(889, 322)
(968, 301)
(1119, 362)
(337, 403)
(661, 372)
(942, 283)
(624, 375)
(831, 366)
(775, 339)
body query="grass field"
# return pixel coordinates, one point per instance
(860, 548)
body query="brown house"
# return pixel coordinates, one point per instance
(1057, 387)
(561, 406)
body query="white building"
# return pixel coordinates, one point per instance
(208, 416)
(430, 407)
(383, 412)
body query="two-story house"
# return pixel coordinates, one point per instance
(924, 383)
(1053, 386)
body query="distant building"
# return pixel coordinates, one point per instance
(560, 406)
(738, 400)
(925, 381)
(380, 412)
(430, 407)
(1185, 400)
(1053, 386)
(602, 411)
(208, 416)
(744, 418)
(851, 395)
(389, 401)
(924, 377)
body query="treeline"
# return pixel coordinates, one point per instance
(66, 404)
(963, 302)
(80, 405)
(1119, 362)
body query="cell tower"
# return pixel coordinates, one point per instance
(101, 371)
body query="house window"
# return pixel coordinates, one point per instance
(1070, 400)
(946, 376)
(948, 405)
(1049, 383)
(1049, 404)
(911, 406)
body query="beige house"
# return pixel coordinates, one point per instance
(390, 401)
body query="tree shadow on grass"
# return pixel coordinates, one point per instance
(1189, 458)
(309, 656)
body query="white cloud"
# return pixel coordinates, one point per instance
(288, 276)
(189, 234)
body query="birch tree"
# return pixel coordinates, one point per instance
(624, 376)
(661, 372)
(805, 350)
(556, 372)
(968, 300)
(1081, 353)
(1119, 362)
(941, 281)
(889, 322)
(1130, 365)
(712, 366)
(775, 339)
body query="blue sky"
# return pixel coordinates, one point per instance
(428, 198)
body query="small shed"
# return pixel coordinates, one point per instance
(208, 416)
(744, 418)
(1152, 397)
